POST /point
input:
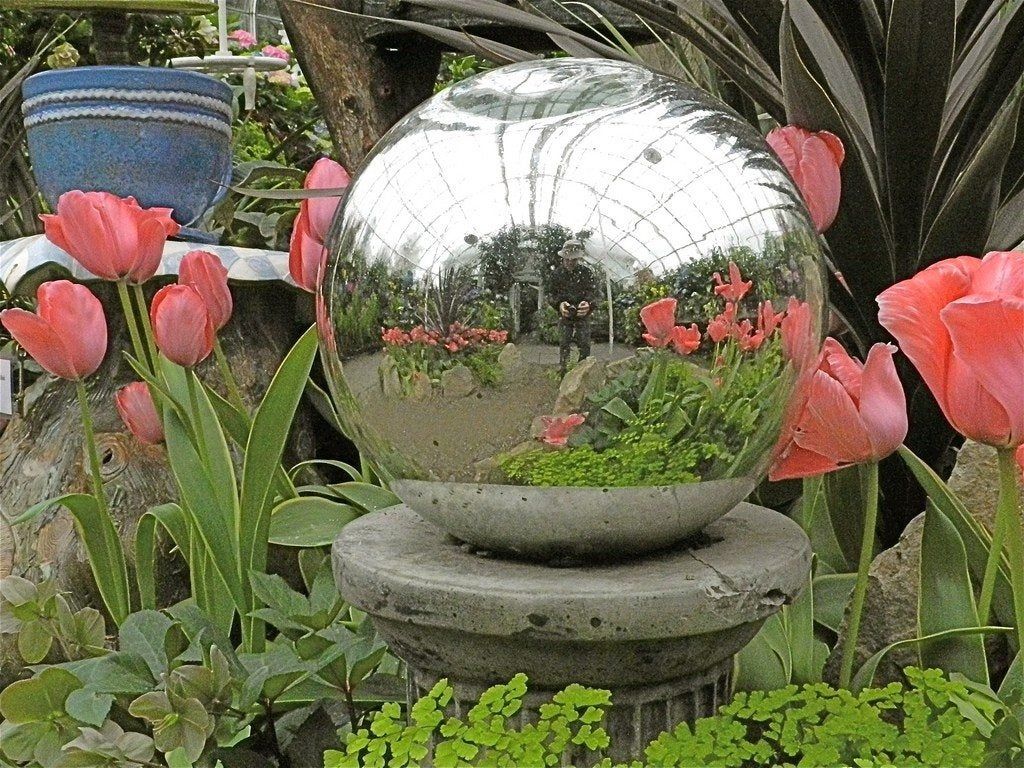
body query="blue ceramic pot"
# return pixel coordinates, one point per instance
(160, 135)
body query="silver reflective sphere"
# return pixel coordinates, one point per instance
(528, 314)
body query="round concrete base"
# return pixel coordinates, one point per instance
(659, 631)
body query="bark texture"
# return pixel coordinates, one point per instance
(362, 89)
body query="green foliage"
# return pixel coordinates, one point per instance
(572, 719)
(45, 624)
(456, 67)
(188, 696)
(933, 721)
(664, 420)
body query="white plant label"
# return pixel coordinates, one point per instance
(6, 387)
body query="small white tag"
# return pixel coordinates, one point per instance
(6, 387)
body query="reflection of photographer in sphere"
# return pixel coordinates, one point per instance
(573, 294)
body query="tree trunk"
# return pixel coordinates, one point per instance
(363, 90)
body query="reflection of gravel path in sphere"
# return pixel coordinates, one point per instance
(448, 436)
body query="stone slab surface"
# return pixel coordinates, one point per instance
(400, 568)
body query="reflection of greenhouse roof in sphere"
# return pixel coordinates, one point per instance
(656, 171)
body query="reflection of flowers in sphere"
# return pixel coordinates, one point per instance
(612, 324)
(275, 52)
(243, 39)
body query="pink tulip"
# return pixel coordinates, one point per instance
(961, 322)
(135, 405)
(723, 324)
(813, 160)
(325, 174)
(181, 325)
(659, 318)
(110, 236)
(67, 335)
(243, 38)
(768, 319)
(854, 413)
(686, 340)
(736, 288)
(558, 429)
(205, 272)
(306, 256)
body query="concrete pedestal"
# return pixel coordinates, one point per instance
(658, 631)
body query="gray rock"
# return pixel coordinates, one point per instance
(458, 382)
(511, 363)
(390, 383)
(588, 376)
(420, 387)
(890, 606)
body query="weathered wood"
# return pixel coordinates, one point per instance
(362, 89)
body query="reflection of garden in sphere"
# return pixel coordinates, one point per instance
(453, 240)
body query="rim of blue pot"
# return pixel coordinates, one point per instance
(137, 78)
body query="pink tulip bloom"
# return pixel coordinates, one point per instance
(659, 318)
(181, 325)
(325, 174)
(768, 319)
(110, 236)
(854, 413)
(307, 256)
(558, 429)
(724, 324)
(961, 323)
(135, 405)
(686, 340)
(275, 52)
(736, 288)
(243, 38)
(813, 160)
(205, 272)
(67, 334)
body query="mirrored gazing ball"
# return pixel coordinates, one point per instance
(567, 306)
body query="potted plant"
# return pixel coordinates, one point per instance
(159, 135)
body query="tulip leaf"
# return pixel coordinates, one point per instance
(102, 545)
(808, 653)
(365, 495)
(831, 595)
(975, 538)
(264, 449)
(172, 519)
(309, 521)
(946, 601)
(865, 676)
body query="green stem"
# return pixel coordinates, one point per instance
(1009, 509)
(995, 552)
(197, 418)
(133, 327)
(234, 393)
(861, 588)
(117, 603)
(147, 327)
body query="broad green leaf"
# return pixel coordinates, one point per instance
(89, 706)
(345, 467)
(144, 634)
(39, 698)
(270, 428)
(812, 513)
(172, 519)
(831, 595)
(808, 654)
(274, 592)
(34, 641)
(620, 409)
(309, 521)
(946, 601)
(366, 495)
(765, 663)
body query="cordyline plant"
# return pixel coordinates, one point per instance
(925, 95)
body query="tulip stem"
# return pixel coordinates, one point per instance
(1009, 510)
(147, 327)
(870, 480)
(234, 393)
(133, 326)
(193, 397)
(117, 601)
(995, 556)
